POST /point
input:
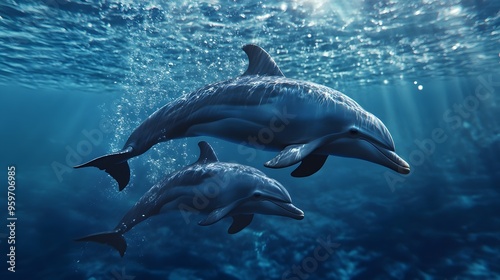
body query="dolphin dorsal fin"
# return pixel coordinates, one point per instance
(207, 154)
(260, 62)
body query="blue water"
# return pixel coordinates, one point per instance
(428, 69)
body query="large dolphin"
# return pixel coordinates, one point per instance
(262, 108)
(208, 186)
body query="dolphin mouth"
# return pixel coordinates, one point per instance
(294, 212)
(398, 164)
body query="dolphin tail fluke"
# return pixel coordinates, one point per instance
(113, 239)
(115, 165)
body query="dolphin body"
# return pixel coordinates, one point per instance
(308, 122)
(207, 186)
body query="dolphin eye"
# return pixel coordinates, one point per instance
(257, 195)
(353, 131)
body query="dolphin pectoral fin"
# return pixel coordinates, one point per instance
(240, 222)
(115, 165)
(218, 214)
(310, 165)
(292, 154)
(113, 239)
(260, 62)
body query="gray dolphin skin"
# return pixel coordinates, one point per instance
(263, 109)
(211, 187)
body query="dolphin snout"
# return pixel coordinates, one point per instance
(291, 210)
(397, 163)
(404, 167)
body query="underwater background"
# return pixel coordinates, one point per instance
(428, 69)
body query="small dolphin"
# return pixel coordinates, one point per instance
(264, 109)
(208, 186)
